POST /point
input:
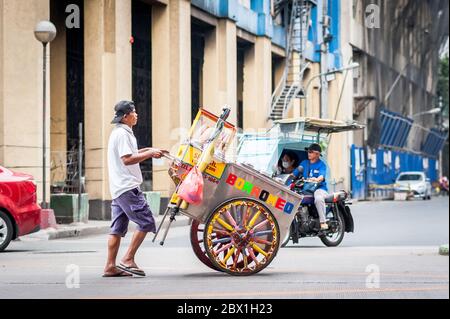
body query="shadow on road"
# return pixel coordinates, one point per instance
(15, 251)
(299, 246)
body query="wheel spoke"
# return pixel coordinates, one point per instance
(261, 224)
(225, 224)
(221, 232)
(237, 214)
(262, 241)
(222, 240)
(231, 219)
(236, 257)
(246, 215)
(222, 249)
(259, 250)
(244, 256)
(230, 253)
(253, 220)
(252, 255)
(262, 233)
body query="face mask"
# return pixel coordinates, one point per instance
(286, 164)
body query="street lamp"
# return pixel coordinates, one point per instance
(44, 32)
(432, 111)
(351, 66)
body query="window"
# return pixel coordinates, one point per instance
(410, 177)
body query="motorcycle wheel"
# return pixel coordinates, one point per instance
(289, 235)
(286, 240)
(336, 238)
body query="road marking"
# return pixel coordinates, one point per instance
(275, 293)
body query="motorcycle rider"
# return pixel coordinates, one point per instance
(315, 171)
(443, 185)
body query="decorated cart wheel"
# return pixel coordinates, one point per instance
(197, 230)
(241, 237)
(198, 247)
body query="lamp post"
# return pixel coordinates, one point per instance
(44, 32)
(351, 66)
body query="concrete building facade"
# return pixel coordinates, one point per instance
(170, 57)
(144, 50)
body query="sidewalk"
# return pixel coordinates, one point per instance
(93, 227)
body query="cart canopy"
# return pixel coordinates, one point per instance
(263, 149)
(317, 125)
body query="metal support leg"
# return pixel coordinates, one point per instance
(174, 212)
(160, 225)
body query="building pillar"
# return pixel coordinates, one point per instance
(58, 95)
(21, 89)
(220, 69)
(257, 84)
(107, 71)
(171, 82)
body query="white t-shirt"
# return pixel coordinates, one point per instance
(122, 177)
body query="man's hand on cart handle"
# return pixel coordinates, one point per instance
(143, 155)
(152, 152)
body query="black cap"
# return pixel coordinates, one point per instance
(122, 108)
(314, 147)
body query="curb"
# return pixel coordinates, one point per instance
(82, 230)
(443, 250)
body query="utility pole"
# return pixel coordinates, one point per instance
(324, 37)
(440, 126)
(305, 11)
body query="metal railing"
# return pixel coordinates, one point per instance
(64, 172)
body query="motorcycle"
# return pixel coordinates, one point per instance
(306, 221)
(443, 186)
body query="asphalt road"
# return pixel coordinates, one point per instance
(392, 254)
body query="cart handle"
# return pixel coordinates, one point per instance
(170, 157)
(220, 123)
(225, 113)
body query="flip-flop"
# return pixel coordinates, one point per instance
(131, 270)
(118, 274)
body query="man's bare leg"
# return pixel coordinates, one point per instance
(136, 241)
(113, 249)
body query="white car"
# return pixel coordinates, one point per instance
(415, 183)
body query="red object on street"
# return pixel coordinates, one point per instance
(48, 218)
(131, 39)
(19, 212)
